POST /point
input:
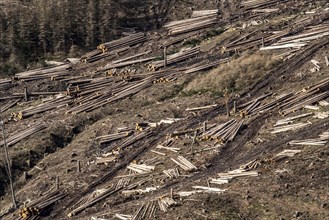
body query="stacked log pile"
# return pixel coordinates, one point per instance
(44, 73)
(302, 39)
(9, 105)
(90, 55)
(259, 4)
(87, 86)
(134, 138)
(146, 211)
(202, 13)
(55, 103)
(227, 177)
(184, 164)
(291, 120)
(177, 39)
(324, 135)
(128, 41)
(141, 168)
(250, 107)
(288, 153)
(253, 39)
(125, 62)
(115, 92)
(172, 173)
(310, 142)
(165, 203)
(112, 137)
(321, 115)
(35, 208)
(290, 102)
(201, 20)
(224, 132)
(175, 58)
(291, 127)
(322, 140)
(82, 205)
(203, 67)
(113, 47)
(5, 84)
(20, 135)
(266, 107)
(99, 54)
(307, 96)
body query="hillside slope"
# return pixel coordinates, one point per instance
(233, 124)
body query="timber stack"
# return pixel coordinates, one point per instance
(260, 4)
(201, 20)
(290, 102)
(297, 41)
(175, 58)
(112, 48)
(44, 73)
(20, 135)
(5, 84)
(36, 207)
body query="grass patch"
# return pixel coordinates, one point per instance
(236, 76)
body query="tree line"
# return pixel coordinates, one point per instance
(34, 30)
